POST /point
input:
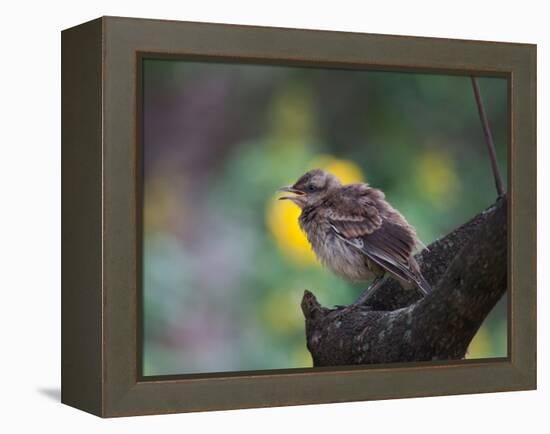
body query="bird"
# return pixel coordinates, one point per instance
(356, 233)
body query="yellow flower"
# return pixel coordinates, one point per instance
(282, 220)
(280, 313)
(480, 346)
(436, 178)
(282, 216)
(346, 171)
(164, 200)
(293, 117)
(302, 357)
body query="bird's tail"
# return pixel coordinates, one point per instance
(423, 285)
(417, 277)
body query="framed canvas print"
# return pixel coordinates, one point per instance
(262, 217)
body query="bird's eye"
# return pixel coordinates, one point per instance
(311, 187)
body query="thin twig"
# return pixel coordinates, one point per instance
(488, 138)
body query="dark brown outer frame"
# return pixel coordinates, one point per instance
(100, 197)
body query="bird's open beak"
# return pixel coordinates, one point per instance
(289, 189)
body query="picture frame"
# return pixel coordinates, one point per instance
(101, 216)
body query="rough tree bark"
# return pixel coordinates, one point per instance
(468, 271)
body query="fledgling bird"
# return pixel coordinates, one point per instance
(356, 233)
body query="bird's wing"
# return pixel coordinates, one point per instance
(355, 218)
(367, 222)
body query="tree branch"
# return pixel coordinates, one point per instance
(469, 268)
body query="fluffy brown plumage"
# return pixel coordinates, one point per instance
(355, 232)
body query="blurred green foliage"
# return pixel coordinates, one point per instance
(224, 267)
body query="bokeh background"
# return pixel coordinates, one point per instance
(225, 264)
